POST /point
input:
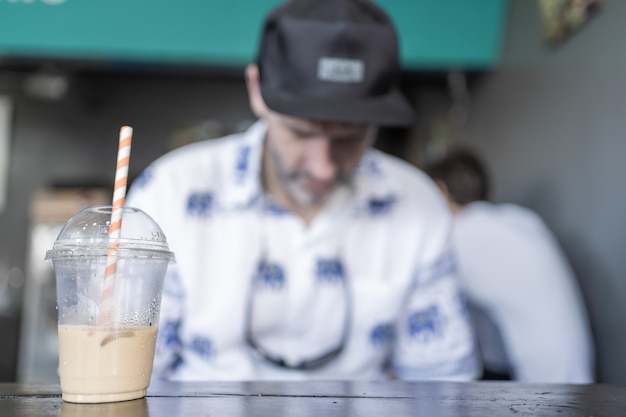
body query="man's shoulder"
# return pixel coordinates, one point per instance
(395, 191)
(502, 212)
(407, 179)
(197, 166)
(501, 219)
(396, 169)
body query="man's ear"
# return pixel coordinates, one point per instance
(254, 91)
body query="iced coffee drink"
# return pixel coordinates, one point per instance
(102, 365)
(108, 323)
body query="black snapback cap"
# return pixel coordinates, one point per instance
(332, 60)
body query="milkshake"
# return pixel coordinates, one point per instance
(98, 364)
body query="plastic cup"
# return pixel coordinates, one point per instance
(106, 353)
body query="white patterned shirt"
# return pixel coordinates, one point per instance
(372, 269)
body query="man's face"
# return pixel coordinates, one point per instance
(310, 159)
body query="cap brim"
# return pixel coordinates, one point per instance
(388, 110)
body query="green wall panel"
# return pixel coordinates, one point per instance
(434, 33)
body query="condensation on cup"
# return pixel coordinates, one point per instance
(107, 322)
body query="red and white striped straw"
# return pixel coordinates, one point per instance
(115, 228)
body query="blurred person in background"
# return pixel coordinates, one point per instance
(302, 252)
(530, 319)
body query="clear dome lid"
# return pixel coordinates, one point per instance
(87, 234)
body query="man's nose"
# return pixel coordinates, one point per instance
(321, 160)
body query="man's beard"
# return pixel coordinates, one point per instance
(295, 183)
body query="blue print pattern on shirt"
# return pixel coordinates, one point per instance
(270, 276)
(169, 335)
(143, 179)
(425, 325)
(169, 341)
(329, 270)
(177, 362)
(275, 210)
(241, 165)
(381, 206)
(202, 347)
(369, 165)
(200, 204)
(382, 334)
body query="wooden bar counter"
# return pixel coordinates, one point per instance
(330, 399)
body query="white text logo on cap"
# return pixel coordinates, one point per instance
(340, 70)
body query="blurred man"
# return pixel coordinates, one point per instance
(530, 318)
(302, 252)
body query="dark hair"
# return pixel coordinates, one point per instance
(464, 174)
